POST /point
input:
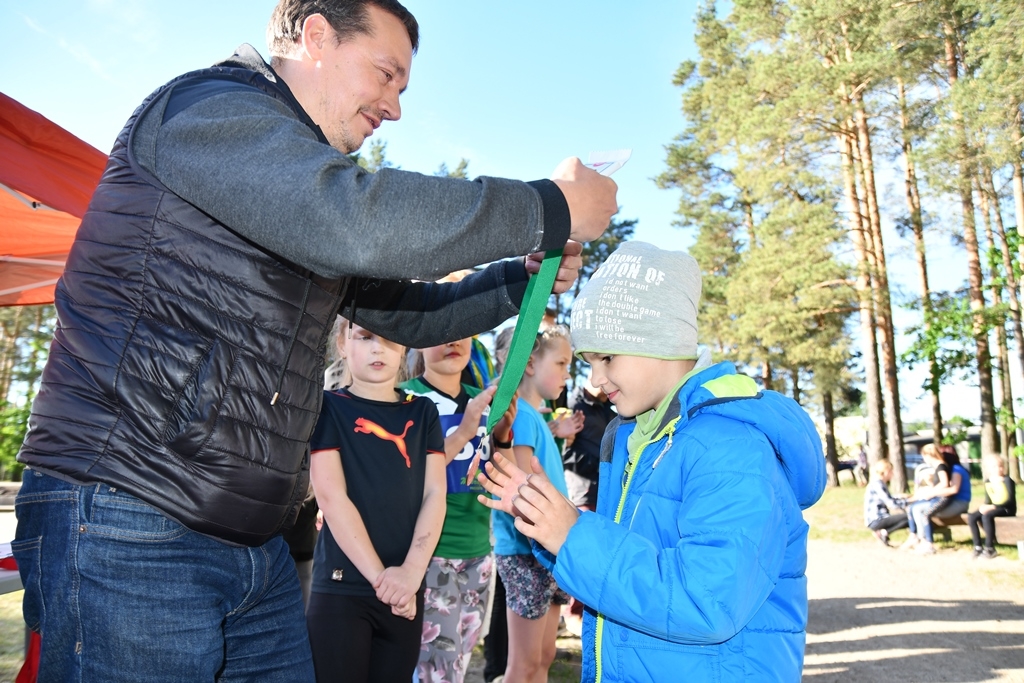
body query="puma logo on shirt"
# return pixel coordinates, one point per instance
(364, 426)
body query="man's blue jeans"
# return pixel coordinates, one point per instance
(120, 592)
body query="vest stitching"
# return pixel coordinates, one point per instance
(136, 314)
(220, 403)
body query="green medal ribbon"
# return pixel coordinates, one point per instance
(538, 290)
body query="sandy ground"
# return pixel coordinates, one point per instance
(878, 614)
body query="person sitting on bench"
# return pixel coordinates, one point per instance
(951, 496)
(883, 513)
(1000, 501)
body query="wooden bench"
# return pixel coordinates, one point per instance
(1009, 530)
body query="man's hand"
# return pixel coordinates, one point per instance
(397, 586)
(568, 268)
(590, 196)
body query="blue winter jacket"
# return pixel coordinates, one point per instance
(692, 568)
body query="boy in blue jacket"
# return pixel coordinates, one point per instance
(692, 567)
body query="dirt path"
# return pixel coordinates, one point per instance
(878, 614)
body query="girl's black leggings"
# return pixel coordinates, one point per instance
(988, 521)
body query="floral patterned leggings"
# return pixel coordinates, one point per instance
(453, 610)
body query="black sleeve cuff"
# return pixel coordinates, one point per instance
(516, 279)
(557, 222)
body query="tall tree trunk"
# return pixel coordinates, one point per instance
(883, 303)
(1004, 249)
(796, 384)
(869, 352)
(1018, 202)
(766, 373)
(917, 226)
(831, 457)
(975, 280)
(1006, 419)
(9, 352)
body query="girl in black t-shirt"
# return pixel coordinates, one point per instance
(378, 470)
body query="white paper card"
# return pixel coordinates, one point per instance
(607, 163)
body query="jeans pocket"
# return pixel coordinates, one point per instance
(120, 515)
(28, 555)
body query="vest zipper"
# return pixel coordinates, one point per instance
(291, 344)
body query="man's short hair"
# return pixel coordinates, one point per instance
(348, 18)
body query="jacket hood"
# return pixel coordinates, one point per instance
(719, 390)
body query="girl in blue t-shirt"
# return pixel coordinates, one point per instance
(530, 588)
(949, 497)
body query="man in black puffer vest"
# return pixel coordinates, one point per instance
(168, 444)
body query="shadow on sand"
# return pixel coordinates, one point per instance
(908, 640)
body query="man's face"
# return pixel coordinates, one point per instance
(360, 80)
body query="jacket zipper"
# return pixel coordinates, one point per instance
(629, 471)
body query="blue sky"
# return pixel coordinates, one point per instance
(514, 87)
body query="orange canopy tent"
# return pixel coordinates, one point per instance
(47, 176)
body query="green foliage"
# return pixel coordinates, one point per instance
(25, 334)
(13, 426)
(459, 172)
(956, 430)
(948, 337)
(375, 159)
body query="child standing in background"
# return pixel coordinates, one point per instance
(530, 589)
(377, 467)
(1000, 501)
(692, 567)
(459, 574)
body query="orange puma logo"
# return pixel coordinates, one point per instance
(364, 426)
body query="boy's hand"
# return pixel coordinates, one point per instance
(504, 480)
(396, 586)
(552, 513)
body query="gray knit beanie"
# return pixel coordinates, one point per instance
(642, 301)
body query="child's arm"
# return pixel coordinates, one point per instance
(470, 425)
(397, 586)
(342, 517)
